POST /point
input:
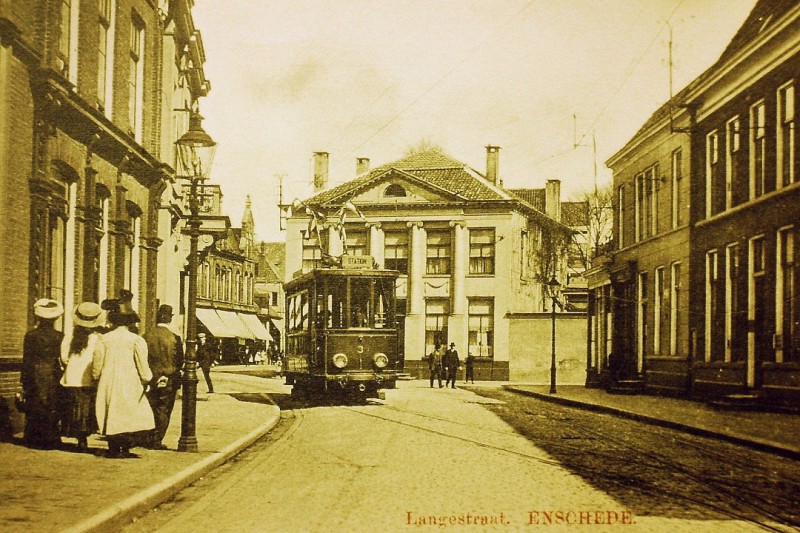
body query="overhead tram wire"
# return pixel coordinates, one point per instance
(630, 73)
(445, 75)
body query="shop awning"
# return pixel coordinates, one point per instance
(278, 323)
(213, 322)
(255, 325)
(234, 325)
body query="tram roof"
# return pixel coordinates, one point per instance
(340, 272)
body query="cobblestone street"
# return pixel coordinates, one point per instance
(656, 471)
(452, 459)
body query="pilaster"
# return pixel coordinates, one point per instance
(376, 248)
(416, 268)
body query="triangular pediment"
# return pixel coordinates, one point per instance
(425, 177)
(398, 187)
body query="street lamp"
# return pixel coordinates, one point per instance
(195, 154)
(554, 286)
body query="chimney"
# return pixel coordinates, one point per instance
(492, 163)
(552, 199)
(320, 171)
(362, 165)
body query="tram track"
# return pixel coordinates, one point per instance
(769, 520)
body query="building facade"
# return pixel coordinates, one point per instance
(226, 306)
(83, 163)
(270, 264)
(470, 252)
(640, 309)
(700, 293)
(745, 213)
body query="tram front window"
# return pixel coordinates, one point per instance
(384, 303)
(337, 299)
(360, 300)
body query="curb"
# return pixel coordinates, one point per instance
(119, 514)
(751, 442)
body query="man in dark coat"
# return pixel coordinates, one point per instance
(165, 357)
(40, 374)
(450, 363)
(469, 367)
(205, 359)
(435, 364)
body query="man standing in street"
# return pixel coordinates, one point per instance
(205, 359)
(469, 367)
(165, 357)
(451, 363)
(435, 364)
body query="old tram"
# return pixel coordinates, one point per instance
(341, 333)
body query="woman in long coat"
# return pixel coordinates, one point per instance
(120, 366)
(40, 373)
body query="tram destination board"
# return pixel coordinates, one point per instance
(357, 261)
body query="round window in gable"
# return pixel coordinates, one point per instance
(395, 191)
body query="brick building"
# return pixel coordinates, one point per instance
(700, 294)
(639, 307)
(226, 305)
(745, 287)
(84, 156)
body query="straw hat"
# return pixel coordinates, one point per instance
(47, 308)
(88, 315)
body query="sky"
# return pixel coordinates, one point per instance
(559, 85)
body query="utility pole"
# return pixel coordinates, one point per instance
(281, 207)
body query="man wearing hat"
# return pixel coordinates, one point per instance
(40, 373)
(450, 363)
(165, 357)
(205, 359)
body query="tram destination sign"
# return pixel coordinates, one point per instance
(357, 261)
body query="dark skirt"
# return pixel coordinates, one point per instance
(41, 424)
(80, 420)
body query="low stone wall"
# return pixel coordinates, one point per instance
(485, 370)
(530, 348)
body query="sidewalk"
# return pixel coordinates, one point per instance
(773, 432)
(63, 490)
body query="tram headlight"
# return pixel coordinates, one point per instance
(339, 360)
(381, 361)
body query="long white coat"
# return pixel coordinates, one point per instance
(120, 365)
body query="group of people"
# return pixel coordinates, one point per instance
(102, 377)
(447, 364)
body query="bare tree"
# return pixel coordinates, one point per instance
(424, 145)
(600, 219)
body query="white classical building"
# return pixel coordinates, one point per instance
(472, 254)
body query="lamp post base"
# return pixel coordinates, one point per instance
(188, 439)
(188, 444)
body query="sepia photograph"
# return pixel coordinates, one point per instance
(310, 266)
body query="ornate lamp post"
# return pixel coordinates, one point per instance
(554, 287)
(195, 154)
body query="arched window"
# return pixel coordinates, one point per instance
(395, 191)
(218, 283)
(59, 272)
(238, 286)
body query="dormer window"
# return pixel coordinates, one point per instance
(395, 191)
